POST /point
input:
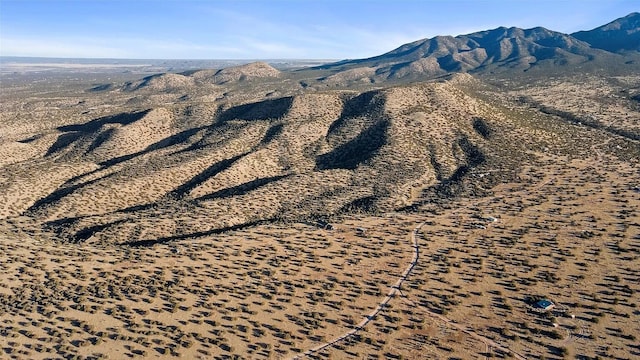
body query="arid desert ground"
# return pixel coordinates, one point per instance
(254, 213)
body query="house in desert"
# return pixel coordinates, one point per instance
(544, 305)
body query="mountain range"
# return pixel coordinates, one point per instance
(620, 35)
(498, 50)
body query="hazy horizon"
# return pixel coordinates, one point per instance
(159, 59)
(282, 29)
(17, 65)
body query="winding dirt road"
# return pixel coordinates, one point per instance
(395, 289)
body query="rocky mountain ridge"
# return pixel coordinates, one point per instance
(498, 50)
(619, 35)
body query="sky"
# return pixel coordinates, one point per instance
(271, 29)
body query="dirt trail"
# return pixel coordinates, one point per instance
(488, 342)
(396, 289)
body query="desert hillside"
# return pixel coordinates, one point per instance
(144, 176)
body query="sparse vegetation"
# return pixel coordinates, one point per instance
(137, 221)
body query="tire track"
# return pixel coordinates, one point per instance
(395, 289)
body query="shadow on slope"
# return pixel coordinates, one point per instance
(35, 138)
(454, 184)
(96, 124)
(356, 151)
(73, 133)
(61, 228)
(58, 194)
(366, 204)
(172, 140)
(162, 240)
(272, 133)
(207, 173)
(101, 87)
(63, 141)
(84, 234)
(242, 189)
(474, 157)
(262, 110)
(100, 139)
(354, 107)
(481, 127)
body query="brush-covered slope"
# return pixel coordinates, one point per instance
(243, 72)
(146, 177)
(190, 80)
(161, 82)
(622, 34)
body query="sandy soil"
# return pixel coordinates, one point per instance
(137, 225)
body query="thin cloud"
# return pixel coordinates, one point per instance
(273, 49)
(58, 48)
(279, 29)
(114, 48)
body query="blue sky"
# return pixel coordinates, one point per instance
(268, 29)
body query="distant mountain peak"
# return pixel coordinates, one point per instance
(622, 34)
(630, 22)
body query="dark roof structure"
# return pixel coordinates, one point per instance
(544, 304)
